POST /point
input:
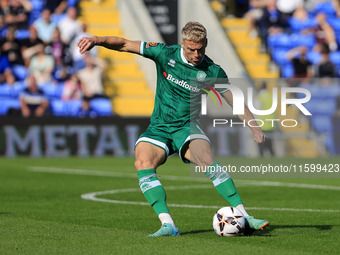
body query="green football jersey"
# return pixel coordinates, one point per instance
(179, 83)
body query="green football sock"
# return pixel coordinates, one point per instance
(223, 184)
(153, 190)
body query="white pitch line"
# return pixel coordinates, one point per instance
(178, 178)
(93, 197)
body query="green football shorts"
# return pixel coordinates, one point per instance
(173, 138)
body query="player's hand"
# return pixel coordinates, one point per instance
(86, 44)
(258, 136)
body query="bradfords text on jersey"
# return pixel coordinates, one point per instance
(182, 83)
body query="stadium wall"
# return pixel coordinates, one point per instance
(105, 136)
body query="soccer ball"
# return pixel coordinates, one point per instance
(228, 221)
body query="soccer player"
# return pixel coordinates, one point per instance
(174, 127)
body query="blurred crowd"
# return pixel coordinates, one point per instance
(40, 62)
(301, 36)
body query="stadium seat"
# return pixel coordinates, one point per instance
(58, 108)
(302, 40)
(280, 57)
(335, 57)
(8, 103)
(20, 72)
(335, 23)
(21, 34)
(322, 124)
(314, 57)
(324, 107)
(17, 88)
(5, 90)
(52, 90)
(287, 70)
(102, 106)
(73, 107)
(297, 25)
(325, 7)
(277, 42)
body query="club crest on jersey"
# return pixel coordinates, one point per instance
(151, 44)
(172, 62)
(201, 76)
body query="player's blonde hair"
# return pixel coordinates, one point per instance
(194, 31)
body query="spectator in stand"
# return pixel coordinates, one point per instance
(69, 26)
(30, 45)
(254, 14)
(45, 26)
(12, 47)
(303, 68)
(6, 75)
(41, 66)
(61, 55)
(288, 7)
(86, 111)
(271, 22)
(3, 27)
(33, 102)
(324, 33)
(16, 12)
(79, 59)
(57, 7)
(72, 89)
(91, 78)
(325, 69)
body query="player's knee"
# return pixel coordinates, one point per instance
(141, 164)
(206, 160)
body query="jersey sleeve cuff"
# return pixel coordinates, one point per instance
(141, 48)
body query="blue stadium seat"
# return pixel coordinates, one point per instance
(73, 107)
(322, 124)
(5, 90)
(324, 107)
(287, 70)
(52, 90)
(302, 40)
(297, 25)
(280, 57)
(279, 42)
(21, 34)
(58, 108)
(314, 57)
(102, 106)
(8, 103)
(325, 7)
(17, 88)
(335, 24)
(335, 57)
(20, 72)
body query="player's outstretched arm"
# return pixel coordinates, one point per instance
(258, 135)
(110, 42)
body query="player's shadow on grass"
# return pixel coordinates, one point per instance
(266, 232)
(319, 227)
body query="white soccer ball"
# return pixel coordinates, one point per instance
(228, 221)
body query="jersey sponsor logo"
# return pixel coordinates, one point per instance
(181, 83)
(151, 44)
(172, 62)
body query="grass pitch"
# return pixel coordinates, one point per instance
(42, 211)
